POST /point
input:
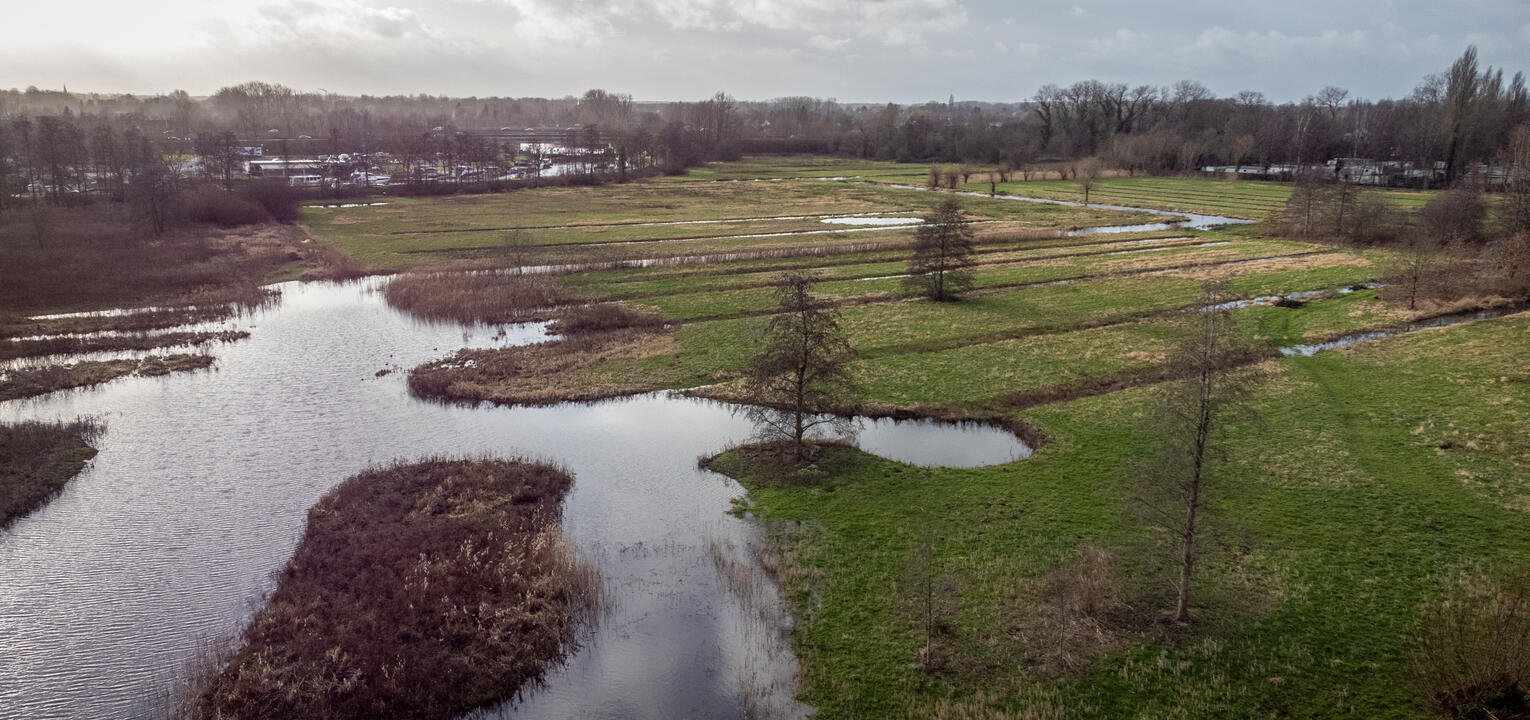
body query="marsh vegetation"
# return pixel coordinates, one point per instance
(418, 591)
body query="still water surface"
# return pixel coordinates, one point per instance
(178, 528)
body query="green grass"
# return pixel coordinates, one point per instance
(1341, 508)
(1377, 470)
(1250, 200)
(392, 236)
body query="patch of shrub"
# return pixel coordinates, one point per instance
(279, 199)
(208, 204)
(1472, 659)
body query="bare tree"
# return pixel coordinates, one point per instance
(943, 254)
(930, 593)
(41, 219)
(1192, 426)
(518, 245)
(1509, 260)
(1088, 173)
(802, 362)
(1516, 162)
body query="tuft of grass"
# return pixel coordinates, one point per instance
(477, 297)
(558, 371)
(604, 317)
(37, 459)
(418, 591)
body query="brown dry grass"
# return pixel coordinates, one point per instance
(603, 317)
(482, 297)
(93, 257)
(34, 381)
(12, 349)
(1081, 613)
(155, 319)
(37, 460)
(1215, 272)
(418, 591)
(539, 374)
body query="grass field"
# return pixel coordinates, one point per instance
(1343, 515)
(1376, 472)
(1250, 200)
(650, 219)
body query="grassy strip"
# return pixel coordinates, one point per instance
(1376, 470)
(417, 591)
(928, 357)
(36, 461)
(544, 373)
(454, 226)
(13, 349)
(132, 322)
(1250, 200)
(607, 281)
(34, 381)
(754, 298)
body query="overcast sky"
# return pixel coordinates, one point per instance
(853, 50)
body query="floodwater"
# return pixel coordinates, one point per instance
(883, 221)
(1191, 220)
(177, 530)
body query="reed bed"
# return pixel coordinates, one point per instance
(418, 591)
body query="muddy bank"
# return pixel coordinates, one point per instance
(37, 459)
(417, 591)
(34, 381)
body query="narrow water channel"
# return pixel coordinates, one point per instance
(178, 528)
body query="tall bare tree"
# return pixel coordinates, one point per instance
(1192, 425)
(803, 360)
(943, 254)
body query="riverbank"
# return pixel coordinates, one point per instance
(419, 591)
(37, 459)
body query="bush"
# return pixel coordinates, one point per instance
(277, 197)
(207, 204)
(1473, 654)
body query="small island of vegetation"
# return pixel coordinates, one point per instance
(418, 591)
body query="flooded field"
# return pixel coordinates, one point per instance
(200, 490)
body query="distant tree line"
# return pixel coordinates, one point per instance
(58, 143)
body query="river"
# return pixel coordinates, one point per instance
(177, 530)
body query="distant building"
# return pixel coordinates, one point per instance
(286, 168)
